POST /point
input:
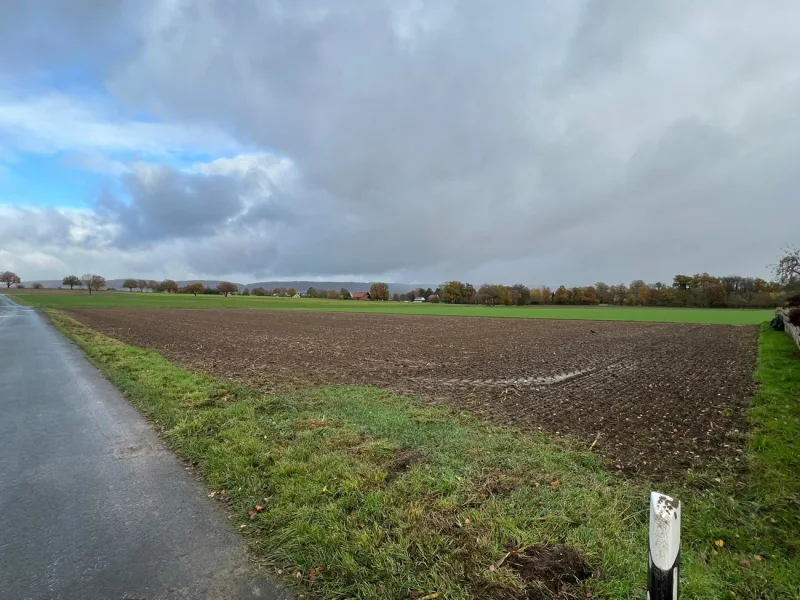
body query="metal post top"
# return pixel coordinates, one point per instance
(665, 530)
(665, 507)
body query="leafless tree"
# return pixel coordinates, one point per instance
(787, 271)
(9, 277)
(93, 282)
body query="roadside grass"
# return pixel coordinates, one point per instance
(368, 494)
(82, 299)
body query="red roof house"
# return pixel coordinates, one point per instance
(361, 296)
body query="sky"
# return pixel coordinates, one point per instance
(541, 142)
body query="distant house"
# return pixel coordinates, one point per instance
(361, 296)
(433, 298)
(297, 296)
(419, 299)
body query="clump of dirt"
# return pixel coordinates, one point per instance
(496, 482)
(549, 571)
(402, 461)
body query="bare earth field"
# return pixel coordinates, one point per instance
(662, 397)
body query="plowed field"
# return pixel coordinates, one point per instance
(654, 398)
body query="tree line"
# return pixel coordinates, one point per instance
(699, 290)
(170, 286)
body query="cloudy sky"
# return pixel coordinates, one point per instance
(541, 142)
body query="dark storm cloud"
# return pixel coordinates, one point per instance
(164, 203)
(455, 134)
(40, 36)
(539, 141)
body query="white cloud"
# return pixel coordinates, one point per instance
(55, 122)
(31, 261)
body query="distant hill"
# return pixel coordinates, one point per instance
(352, 286)
(300, 286)
(117, 283)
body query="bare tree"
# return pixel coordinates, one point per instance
(9, 277)
(37, 286)
(93, 282)
(130, 284)
(787, 271)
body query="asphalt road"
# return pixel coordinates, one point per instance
(92, 506)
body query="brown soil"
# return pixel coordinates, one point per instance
(655, 398)
(549, 571)
(402, 461)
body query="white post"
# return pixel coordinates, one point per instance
(665, 547)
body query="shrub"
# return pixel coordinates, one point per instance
(794, 317)
(777, 323)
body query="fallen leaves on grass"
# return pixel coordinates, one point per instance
(719, 543)
(254, 511)
(316, 572)
(433, 596)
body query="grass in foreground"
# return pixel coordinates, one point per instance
(372, 495)
(82, 299)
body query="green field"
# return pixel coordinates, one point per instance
(76, 299)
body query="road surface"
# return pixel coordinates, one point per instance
(92, 506)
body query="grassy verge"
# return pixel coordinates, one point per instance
(81, 299)
(367, 494)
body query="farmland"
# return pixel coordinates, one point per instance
(660, 398)
(82, 299)
(397, 455)
(479, 469)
